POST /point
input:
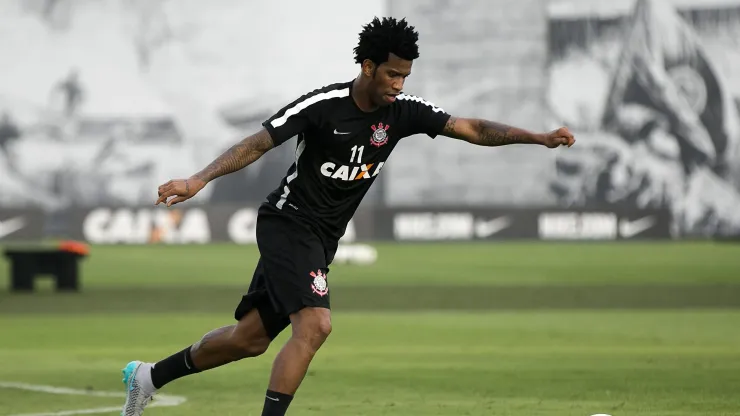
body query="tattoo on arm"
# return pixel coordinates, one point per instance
(238, 156)
(449, 129)
(486, 133)
(497, 134)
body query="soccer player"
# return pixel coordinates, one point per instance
(346, 132)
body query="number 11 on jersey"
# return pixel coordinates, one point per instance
(356, 151)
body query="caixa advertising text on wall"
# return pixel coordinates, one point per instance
(237, 224)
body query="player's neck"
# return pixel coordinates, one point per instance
(361, 97)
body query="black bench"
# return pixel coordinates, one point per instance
(26, 265)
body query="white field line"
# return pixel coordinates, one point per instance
(161, 400)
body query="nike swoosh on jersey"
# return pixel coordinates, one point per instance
(340, 132)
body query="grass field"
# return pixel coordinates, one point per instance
(471, 329)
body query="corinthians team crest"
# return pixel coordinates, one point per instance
(319, 285)
(380, 134)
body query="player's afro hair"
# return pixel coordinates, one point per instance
(379, 38)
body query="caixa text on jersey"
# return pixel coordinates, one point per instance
(351, 173)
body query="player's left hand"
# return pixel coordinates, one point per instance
(181, 189)
(559, 137)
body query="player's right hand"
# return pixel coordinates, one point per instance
(559, 137)
(180, 189)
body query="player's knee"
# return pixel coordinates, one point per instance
(323, 328)
(246, 345)
(249, 337)
(317, 332)
(253, 347)
(313, 325)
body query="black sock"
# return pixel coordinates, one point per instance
(173, 367)
(276, 404)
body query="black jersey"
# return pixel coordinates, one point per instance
(341, 150)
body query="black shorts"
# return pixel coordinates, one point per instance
(291, 273)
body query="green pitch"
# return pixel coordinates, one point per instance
(523, 364)
(478, 329)
(412, 277)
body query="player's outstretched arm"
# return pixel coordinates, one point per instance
(490, 133)
(236, 158)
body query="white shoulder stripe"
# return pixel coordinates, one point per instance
(421, 101)
(286, 191)
(302, 105)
